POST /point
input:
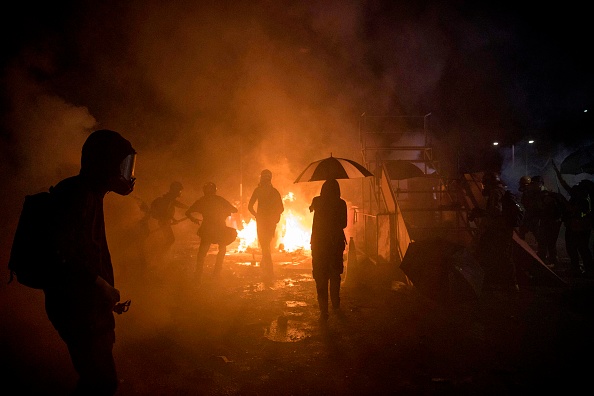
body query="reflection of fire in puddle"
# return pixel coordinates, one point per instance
(284, 330)
(293, 304)
(278, 284)
(246, 263)
(295, 282)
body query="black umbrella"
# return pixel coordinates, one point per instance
(333, 168)
(580, 161)
(443, 270)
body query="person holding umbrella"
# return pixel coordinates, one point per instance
(327, 244)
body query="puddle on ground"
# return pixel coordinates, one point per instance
(277, 284)
(247, 263)
(283, 329)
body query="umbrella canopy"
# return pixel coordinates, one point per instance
(400, 170)
(333, 168)
(443, 270)
(580, 161)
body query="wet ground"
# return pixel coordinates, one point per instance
(239, 335)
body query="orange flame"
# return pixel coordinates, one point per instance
(293, 232)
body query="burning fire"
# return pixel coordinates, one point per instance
(293, 232)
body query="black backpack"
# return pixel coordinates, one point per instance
(34, 252)
(513, 210)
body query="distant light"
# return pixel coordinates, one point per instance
(585, 111)
(495, 143)
(530, 141)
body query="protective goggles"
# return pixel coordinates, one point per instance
(127, 167)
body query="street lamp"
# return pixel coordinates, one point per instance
(513, 148)
(530, 141)
(513, 155)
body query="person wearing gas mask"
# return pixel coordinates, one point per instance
(81, 298)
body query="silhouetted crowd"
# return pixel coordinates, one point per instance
(548, 211)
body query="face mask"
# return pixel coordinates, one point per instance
(123, 184)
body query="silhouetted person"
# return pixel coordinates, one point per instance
(547, 210)
(327, 244)
(163, 209)
(577, 219)
(268, 212)
(213, 228)
(81, 298)
(527, 199)
(495, 238)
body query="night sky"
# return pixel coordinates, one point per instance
(217, 91)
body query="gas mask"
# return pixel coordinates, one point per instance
(123, 184)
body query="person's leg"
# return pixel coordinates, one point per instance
(541, 243)
(219, 260)
(201, 257)
(572, 251)
(169, 236)
(265, 235)
(583, 247)
(322, 291)
(553, 237)
(335, 290)
(92, 358)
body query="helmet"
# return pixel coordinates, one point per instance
(176, 187)
(266, 174)
(537, 180)
(109, 159)
(209, 188)
(491, 178)
(524, 181)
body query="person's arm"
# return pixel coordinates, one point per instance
(192, 209)
(252, 202)
(560, 177)
(111, 293)
(343, 219)
(231, 208)
(279, 201)
(180, 205)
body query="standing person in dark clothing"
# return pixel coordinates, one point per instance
(577, 218)
(213, 229)
(269, 209)
(80, 300)
(163, 209)
(495, 243)
(327, 244)
(527, 199)
(548, 210)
